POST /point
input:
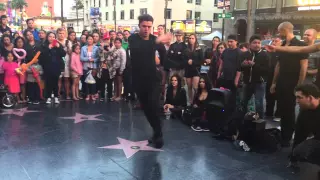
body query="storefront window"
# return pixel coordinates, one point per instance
(266, 4)
(288, 3)
(241, 4)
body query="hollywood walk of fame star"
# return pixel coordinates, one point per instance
(17, 112)
(81, 117)
(130, 147)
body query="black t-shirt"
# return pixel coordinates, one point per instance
(318, 77)
(308, 124)
(143, 64)
(232, 59)
(290, 65)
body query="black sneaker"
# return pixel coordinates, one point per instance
(158, 142)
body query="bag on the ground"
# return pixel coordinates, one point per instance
(90, 79)
(253, 133)
(187, 115)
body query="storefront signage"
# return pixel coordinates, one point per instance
(188, 26)
(308, 8)
(203, 27)
(308, 2)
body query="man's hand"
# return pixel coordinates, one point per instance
(251, 63)
(236, 83)
(195, 106)
(245, 63)
(166, 38)
(273, 89)
(208, 61)
(270, 48)
(190, 62)
(57, 44)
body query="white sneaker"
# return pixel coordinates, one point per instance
(56, 100)
(48, 101)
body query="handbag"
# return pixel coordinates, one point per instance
(90, 79)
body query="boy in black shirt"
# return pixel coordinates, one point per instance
(306, 145)
(145, 75)
(255, 69)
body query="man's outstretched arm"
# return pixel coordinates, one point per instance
(294, 49)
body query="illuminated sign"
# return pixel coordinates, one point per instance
(308, 2)
(308, 8)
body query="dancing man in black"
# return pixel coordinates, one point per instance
(145, 75)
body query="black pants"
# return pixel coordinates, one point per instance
(308, 151)
(198, 114)
(127, 82)
(101, 84)
(33, 91)
(90, 89)
(51, 85)
(271, 102)
(287, 104)
(148, 96)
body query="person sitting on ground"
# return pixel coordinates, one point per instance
(306, 146)
(176, 97)
(199, 105)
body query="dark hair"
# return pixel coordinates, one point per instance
(244, 45)
(161, 25)
(48, 34)
(4, 36)
(179, 86)
(14, 34)
(216, 37)
(196, 45)
(126, 31)
(75, 46)
(120, 33)
(207, 86)
(3, 16)
(308, 90)
(84, 31)
(112, 31)
(16, 41)
(83, 35)
(25, 33)
(10, 52)
(30, 19)
(118, 39)
(89, 35)
(232, 37)
(145, 17)
(223, 44)
(42, 31)
(254, 37)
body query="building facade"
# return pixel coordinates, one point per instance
(268, 14)
(127, 11)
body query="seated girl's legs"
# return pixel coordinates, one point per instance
(190, 90)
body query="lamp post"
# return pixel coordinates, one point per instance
(165, 15)
(51, 15)
(115, 15)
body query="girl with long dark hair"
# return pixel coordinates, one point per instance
(51, 59)
(193, 55)
(216, 62)
(176, 96)
(199, 105)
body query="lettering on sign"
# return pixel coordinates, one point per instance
(308, 2)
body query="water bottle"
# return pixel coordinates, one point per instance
(168, 114)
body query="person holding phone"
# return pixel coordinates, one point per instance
(52, 63)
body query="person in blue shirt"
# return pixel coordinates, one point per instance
(30, 27)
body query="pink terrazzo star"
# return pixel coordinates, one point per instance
(81, 117)
(130, 147)
(17, 112)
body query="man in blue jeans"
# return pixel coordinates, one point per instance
(255, 69)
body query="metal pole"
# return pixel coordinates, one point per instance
(223, 22)
(165, 15)
(115, 15)
(61, 13)
(249, 21)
